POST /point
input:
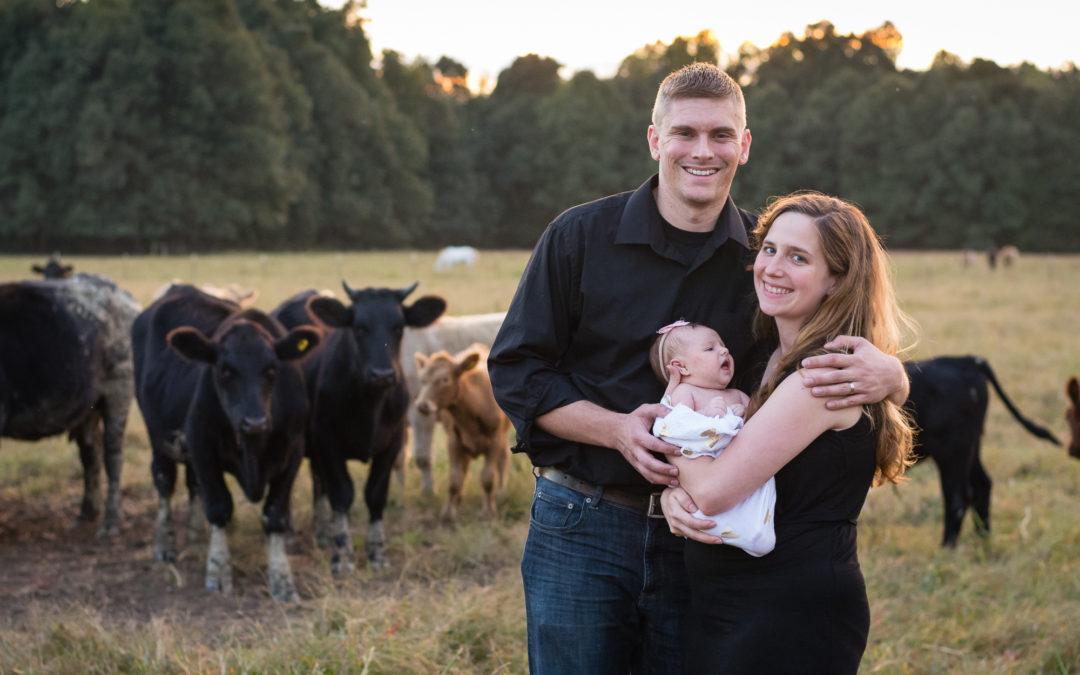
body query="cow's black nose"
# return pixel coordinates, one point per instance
(383, 377)
(254, 425)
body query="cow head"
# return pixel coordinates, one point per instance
(244, 358)
(1072, 416)
(440, 377)
(376, 320)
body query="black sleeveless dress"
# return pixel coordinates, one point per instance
(803, 607)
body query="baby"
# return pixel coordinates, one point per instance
(705, 415)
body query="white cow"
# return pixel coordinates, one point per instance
(450, 334)
(455, 255)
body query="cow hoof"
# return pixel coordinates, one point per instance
(340, 566)
(221, 585)
(165, 556)
(284, 591)
(108, 530)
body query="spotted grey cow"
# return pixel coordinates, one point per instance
(220, 389)
(65, 367)
(358, 400)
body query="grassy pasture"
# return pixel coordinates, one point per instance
(452, 602)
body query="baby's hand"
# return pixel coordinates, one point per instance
(738, 409)
(716, 406)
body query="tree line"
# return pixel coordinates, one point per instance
(194, 125)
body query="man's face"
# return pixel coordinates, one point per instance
(699, 143)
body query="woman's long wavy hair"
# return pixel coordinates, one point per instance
(861, 303)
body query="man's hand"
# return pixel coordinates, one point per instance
(862, 375)
(634, 440)
(679, 512)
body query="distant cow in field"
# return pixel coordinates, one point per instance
(458, 389)
(948, 402)
(969, 257)
(450, 334)
(1072, 416)
(220, 390)
(1009, 256)
(455, 255)
(359, 399)
(53, 269)
(65, 366)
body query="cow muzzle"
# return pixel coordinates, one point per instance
(382, 378)
(254, 426)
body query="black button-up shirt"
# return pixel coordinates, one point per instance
(602, 279)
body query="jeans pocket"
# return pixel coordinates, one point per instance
(554, 510)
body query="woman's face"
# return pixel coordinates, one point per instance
(790, 273)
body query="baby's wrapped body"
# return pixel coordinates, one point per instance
(748, 525)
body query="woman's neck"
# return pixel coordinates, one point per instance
(787, 331)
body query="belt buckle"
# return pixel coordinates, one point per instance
(656, 509)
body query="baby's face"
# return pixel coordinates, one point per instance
(704, 355)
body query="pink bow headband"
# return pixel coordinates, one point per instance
(663, 333)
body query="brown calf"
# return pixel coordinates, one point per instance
(458, 387)
(1072, 416)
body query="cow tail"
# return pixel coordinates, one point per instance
(1032, 428)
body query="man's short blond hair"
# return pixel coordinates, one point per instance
(698, 80)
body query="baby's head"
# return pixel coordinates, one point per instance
(696, 350)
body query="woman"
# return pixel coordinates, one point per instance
(820, 272)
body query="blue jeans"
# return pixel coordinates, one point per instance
(605, 587)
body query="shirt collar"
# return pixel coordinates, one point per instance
(641, 222)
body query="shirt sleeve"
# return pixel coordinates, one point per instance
(525, 357)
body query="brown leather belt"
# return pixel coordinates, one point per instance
(646, 504)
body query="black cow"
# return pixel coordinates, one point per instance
(233, 402)
(359, 400)
(65, 366)
(53, 269)
(948, 402)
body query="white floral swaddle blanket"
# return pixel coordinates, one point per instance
(749, 524)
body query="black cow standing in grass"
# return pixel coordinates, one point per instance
(948, 402)
(53, 269)
(220, 389)
(65, 366)
(359, 401)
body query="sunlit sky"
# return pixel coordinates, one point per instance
(486, 35)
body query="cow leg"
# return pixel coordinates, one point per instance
(459, 469)
(375, 493)
(401, 461)
(196, 522)
(341, 561)
(281, 580)
(321, 518)
(117, 405)
(980, 484)
(218, 562)
(340, 494)
(955, 496)
(502, 465)
(163, 471)
(489, 480)
(88, 438)
(276, 525)
(422, 428)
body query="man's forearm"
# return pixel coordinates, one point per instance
(581, 422)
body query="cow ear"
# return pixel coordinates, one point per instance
(192, 345)
(469, 362)
(424, 311)
(1073, 390)
(298, 343)
(421, 361)
(330, 311)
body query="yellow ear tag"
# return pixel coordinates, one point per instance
(302, 344)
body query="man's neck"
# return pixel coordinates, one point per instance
(689, 218)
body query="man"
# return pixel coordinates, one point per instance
(603, 576)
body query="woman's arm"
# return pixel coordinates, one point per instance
(784, 426)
